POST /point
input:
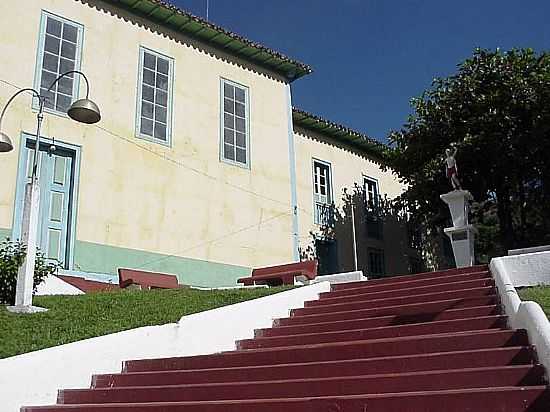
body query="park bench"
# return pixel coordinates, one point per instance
(282, 274)
(146, 280)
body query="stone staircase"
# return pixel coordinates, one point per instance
(429, 342)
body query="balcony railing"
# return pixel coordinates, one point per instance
(324, 214)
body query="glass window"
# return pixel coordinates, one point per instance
(154, 91)
(322, 193)
(371, 192)
(376, 262)
(235, 123)
(60, 47)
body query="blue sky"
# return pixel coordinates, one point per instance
(371, 56)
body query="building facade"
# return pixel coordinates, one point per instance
(196, 167)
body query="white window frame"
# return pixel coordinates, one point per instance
(40, 58)
(246, 89)
(367, 193)
(170, 101)
(329, 195)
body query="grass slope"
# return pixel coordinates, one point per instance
(73, 318)
(539, 294)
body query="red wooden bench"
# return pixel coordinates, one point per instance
(281, 274)
(146, 280)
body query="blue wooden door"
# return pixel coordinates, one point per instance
(55, 178)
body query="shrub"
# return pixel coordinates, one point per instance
(12, 255)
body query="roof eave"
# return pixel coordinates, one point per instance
(170, 16)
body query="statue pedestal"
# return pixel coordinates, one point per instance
(462, 234)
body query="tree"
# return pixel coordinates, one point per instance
(385, 241)
(496, 109)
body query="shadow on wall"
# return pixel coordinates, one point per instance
(386, 242)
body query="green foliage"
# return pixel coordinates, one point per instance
(539, 294)
(496, 110)
(12, 255)
(73, 318)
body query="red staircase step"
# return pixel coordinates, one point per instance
(505, 399)
(405, 278)
(519, 355)
(391, 293)
(458, 296)
(368, 287)
(401, 300)
(386, 319)
(339, 351)
(286, 326)
(334, 386)
(445, 326)
(403, 310)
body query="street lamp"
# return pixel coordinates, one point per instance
(83, 111)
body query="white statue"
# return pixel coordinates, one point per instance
(452, 170)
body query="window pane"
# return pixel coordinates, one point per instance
(50, 62)
(163, 66)
(162, 81)
(228, 91)
(229, 152)
(53, 27)
(160, 131)
(239, 109)
(148, 93)
(149, 61)
(146, 126)
(239, 94)
(147, 109)
(63, 102)
(241, 155)
(162, 98)
(47, 79)
(240, 125)
(228, 121)
(68, 50)
(51, 44)
(241, 140)
(65, 86)
(229, 136)
(160, 114)
(228, 106)
(70, 33)
(148, 77)
(66, 65)
(50, 97)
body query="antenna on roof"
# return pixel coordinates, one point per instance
(207, 8)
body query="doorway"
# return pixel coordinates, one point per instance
(57, 171)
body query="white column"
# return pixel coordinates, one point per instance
(462, 234)
(29, 237)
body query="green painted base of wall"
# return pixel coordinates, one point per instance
(97, 258)
(4, 233)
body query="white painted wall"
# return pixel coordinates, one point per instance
(52, 285)
(34, 378)
(522, 315)
(529, 269)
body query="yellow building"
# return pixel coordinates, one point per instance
(195, 168)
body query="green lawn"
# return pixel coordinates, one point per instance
(72, 318)
(539, 294)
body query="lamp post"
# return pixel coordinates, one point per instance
(83, 111)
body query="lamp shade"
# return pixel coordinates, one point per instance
(5, 143)
(84, 111)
